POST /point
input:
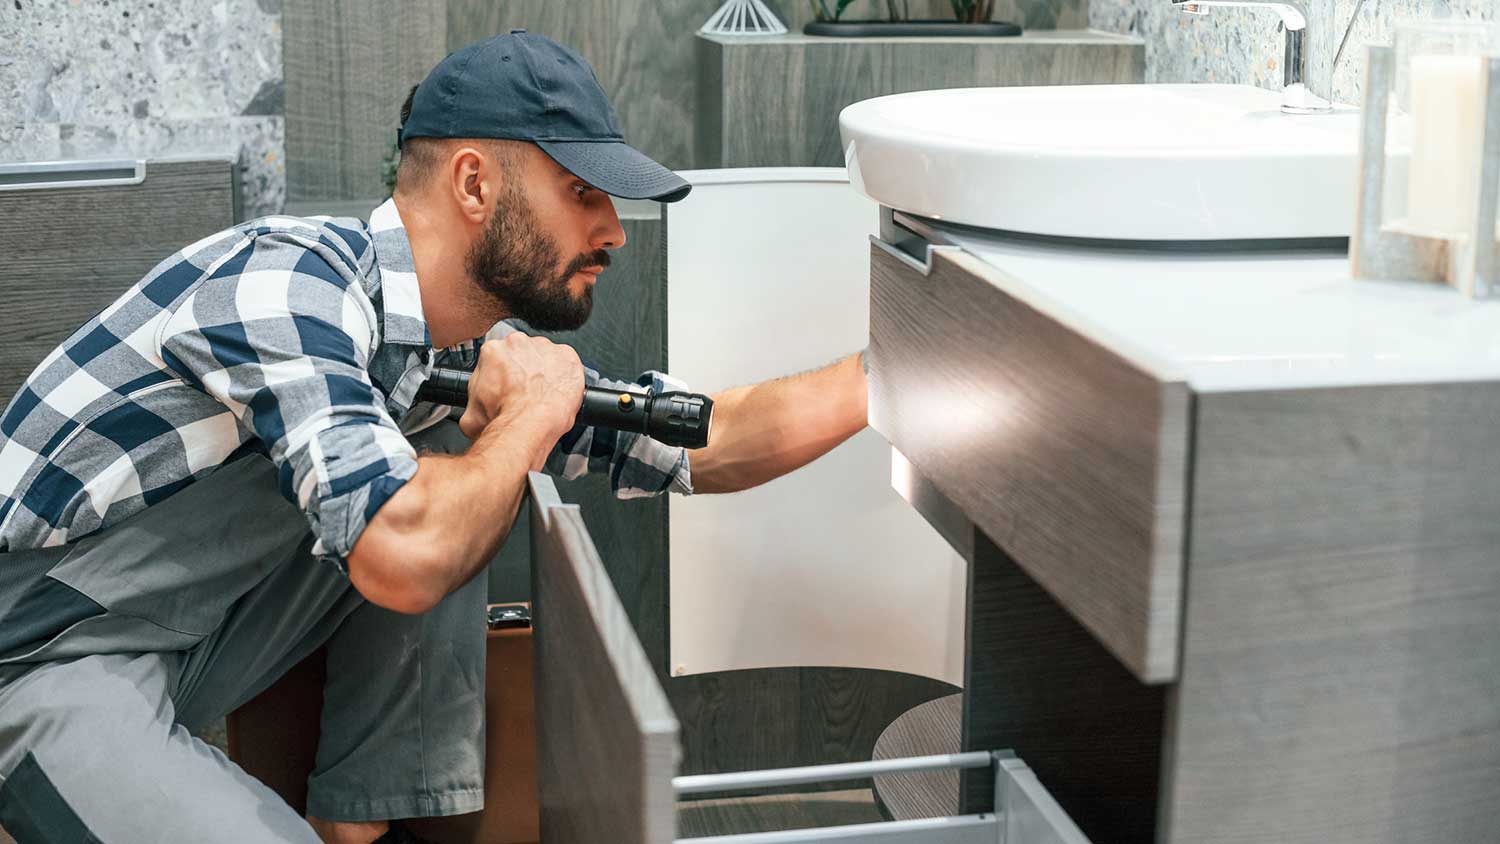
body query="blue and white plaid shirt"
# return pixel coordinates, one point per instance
(301, 339)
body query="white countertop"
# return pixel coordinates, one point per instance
(1234, 321)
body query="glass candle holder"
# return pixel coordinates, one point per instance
(1436, 121)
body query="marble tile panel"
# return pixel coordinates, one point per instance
(28, 142)
(263, 181)
(1246, 45)
(141, 78)
(93, 62)
(1377, 23)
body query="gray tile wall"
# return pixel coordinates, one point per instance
(1245, 45)
(139, 78)
(349, 65)
(654, 89)
(775, 101)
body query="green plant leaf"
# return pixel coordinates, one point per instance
(839, 7)
(970, 11)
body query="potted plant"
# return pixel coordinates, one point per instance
(972, 11)
(970, 17)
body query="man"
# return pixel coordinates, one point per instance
(161, 470)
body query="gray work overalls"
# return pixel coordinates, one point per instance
(118, 645)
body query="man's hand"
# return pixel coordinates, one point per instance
(524, 377)
(442, 527)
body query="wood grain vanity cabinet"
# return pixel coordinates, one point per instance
(1233, 526)
(74, 235)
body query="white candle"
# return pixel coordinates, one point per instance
(1443, 174)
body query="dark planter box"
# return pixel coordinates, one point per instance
(911, 29)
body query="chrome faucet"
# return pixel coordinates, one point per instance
(1295, 96)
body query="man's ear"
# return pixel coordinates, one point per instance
(473, 182)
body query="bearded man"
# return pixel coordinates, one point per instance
(226, 469)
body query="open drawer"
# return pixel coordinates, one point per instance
(608, 739)
(607, 744)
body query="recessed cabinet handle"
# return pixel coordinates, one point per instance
(50, 175)
(923, 264)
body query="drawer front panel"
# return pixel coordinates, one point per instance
(1068, 455)
(606, 737)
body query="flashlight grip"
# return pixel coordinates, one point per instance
(675, 418)
(446, 386)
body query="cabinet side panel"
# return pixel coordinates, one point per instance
(1341, 655)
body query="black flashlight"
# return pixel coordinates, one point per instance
(675, 418)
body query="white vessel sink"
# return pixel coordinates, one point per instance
(1130, 162)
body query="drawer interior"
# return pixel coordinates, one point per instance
(607, 738)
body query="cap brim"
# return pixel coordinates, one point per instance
(618, 169)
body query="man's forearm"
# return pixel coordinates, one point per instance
(445, 524)
(765, 430)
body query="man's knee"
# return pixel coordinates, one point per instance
(65, 725)
(97, 738)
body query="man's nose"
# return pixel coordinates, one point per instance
(609, 234)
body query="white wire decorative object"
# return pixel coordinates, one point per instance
(743, 17)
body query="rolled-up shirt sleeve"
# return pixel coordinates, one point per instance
(282, 335)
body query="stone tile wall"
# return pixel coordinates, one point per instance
(1245, 45)
(138, 78)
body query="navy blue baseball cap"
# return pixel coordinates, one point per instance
(525, 87)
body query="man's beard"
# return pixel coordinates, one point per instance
(513, 263)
